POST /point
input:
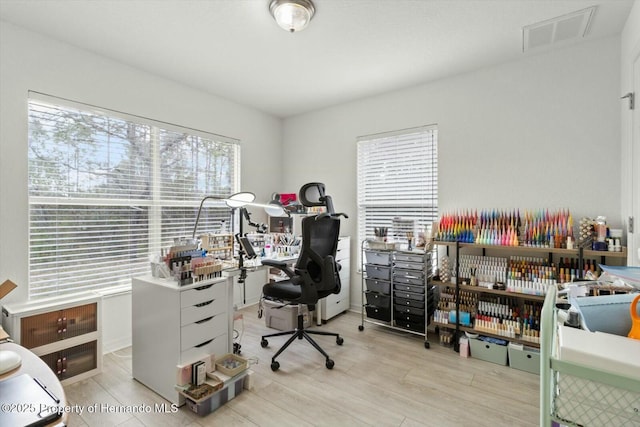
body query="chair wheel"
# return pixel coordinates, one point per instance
(329, 364)
(275, 366)
(426, 344)
(264, 343)
(360, 327)
(339, 340)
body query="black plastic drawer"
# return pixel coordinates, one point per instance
(381, 286)
(410, 274)
(378, 313)
(408, 265)
(378, 258)
(412, 326)
(409, 302)
(408, 295)
(408, 280)
(409, 310)
(408, 288)
(378, 272)
(408, 317)
(379, 300)
(415, 258)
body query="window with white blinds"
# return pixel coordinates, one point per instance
(107, 190)
(397, 182)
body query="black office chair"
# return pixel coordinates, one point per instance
(315, 274)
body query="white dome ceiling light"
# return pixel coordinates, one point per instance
(292, 15)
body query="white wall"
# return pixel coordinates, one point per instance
(31, 62)
(630, 50)
(540, 132)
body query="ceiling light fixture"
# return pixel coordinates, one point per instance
(292, 15)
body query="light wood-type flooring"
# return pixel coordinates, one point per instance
(381, 378)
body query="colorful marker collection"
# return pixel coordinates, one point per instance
(535, 228)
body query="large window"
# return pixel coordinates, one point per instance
(107, 190)
(398, 183)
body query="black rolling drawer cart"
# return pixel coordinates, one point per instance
(396, 289)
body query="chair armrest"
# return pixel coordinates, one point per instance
(280, 265)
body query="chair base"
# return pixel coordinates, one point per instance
(300, 333)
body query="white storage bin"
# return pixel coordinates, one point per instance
(284, 318)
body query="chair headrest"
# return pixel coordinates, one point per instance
(312, 194)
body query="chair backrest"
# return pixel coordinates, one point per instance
(320, 241)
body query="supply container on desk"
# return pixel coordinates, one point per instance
(489, 350)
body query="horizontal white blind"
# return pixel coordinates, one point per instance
(107, 190)
(397, 182)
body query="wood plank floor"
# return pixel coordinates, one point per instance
(381, 378)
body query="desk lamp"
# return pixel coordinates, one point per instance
(9, 360)
(241, 200)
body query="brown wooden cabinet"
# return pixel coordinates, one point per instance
(46, 328)
(64, 333)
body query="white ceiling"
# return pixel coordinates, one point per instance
(352, 49)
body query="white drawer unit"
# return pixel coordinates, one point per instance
(63, 332)
(335, 304)
(176, 325)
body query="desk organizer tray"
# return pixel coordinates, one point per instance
(231, 364)
(380, 286)
(379, 300)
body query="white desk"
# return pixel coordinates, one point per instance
(34, 366)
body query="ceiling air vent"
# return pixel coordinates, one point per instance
(572, 26)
